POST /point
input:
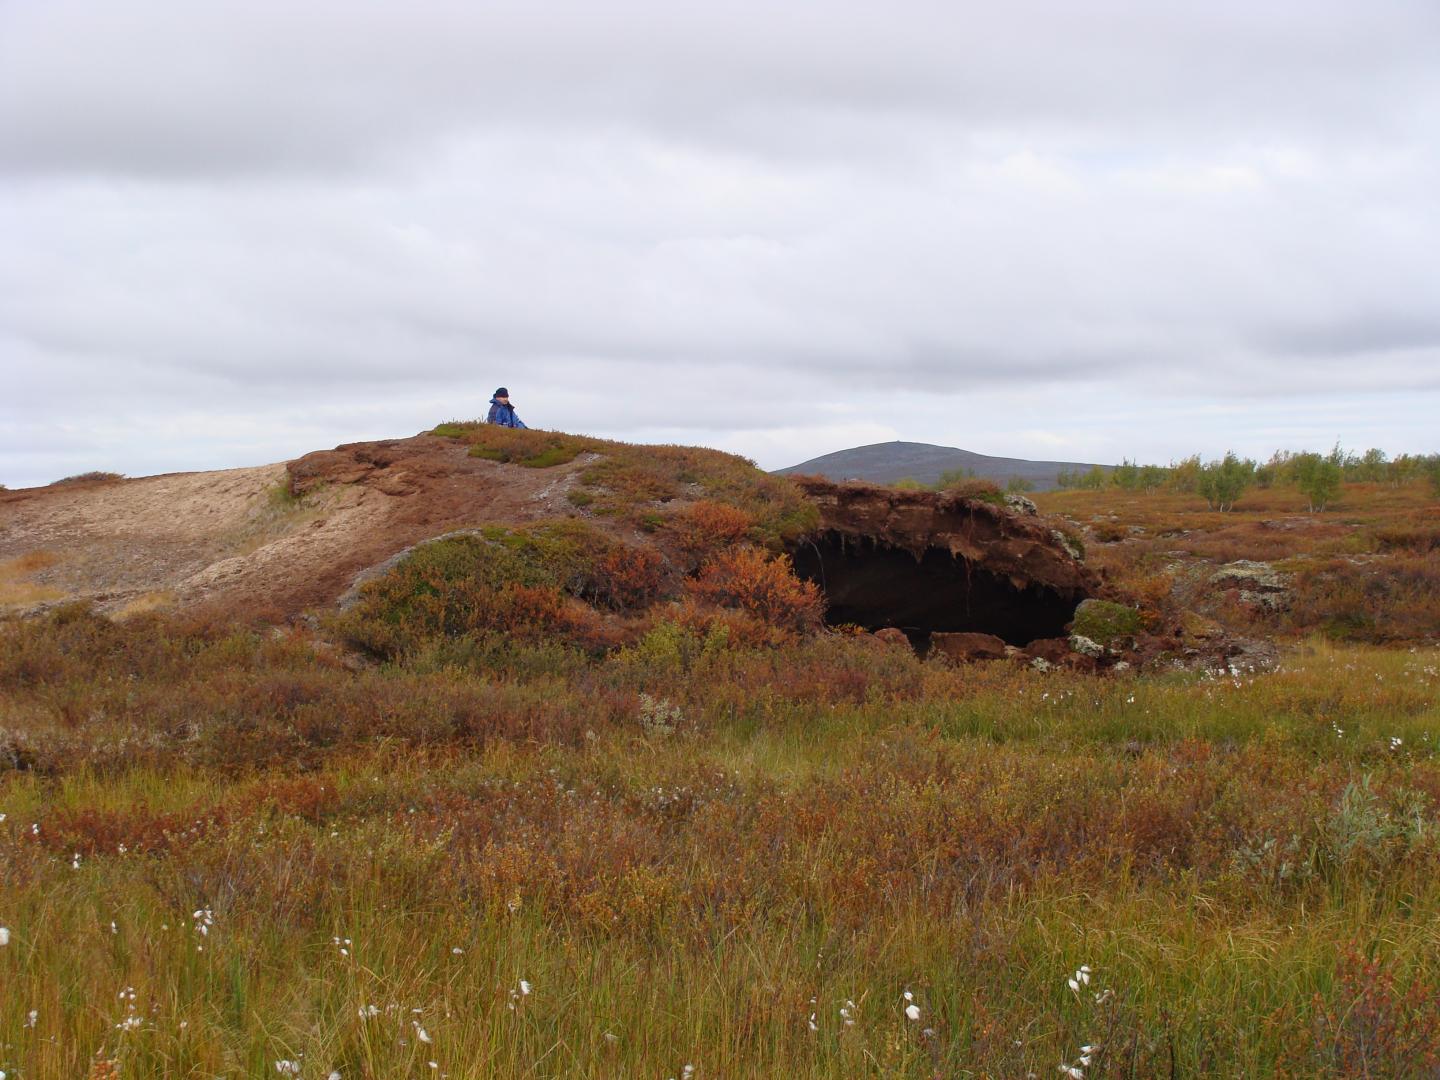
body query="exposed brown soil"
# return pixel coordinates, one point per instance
(275, 539)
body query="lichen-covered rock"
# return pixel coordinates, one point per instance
(1258, 583)
(1086, 646)
(1069, 543)
(1021, 505)
(1249, 574)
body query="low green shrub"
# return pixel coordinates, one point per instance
(530, 584)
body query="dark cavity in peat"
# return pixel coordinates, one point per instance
(872, 584)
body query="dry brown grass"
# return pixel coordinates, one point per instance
(16, 588)
(145, 603)
(32, 562)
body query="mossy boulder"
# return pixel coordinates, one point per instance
(1105, 623)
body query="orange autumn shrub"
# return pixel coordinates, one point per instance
(761, 584)
(708, 526)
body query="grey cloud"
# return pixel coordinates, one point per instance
(300, 222)
(153, 86)
(1363, 332)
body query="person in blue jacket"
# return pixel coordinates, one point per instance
(502, 412)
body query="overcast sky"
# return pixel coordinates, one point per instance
(234, 231)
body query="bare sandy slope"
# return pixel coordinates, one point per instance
(240, 538)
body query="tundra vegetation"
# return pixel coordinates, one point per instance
(1319, 477)
(603, 797)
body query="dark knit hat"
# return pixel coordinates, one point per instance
(502, 392)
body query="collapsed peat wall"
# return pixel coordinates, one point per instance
(927, 562)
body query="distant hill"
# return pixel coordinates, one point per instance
(890, 461)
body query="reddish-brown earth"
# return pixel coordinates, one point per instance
(275, 539)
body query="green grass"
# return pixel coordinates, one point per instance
(832, 821)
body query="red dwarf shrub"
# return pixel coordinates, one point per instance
(1379, 1024)
(629, 577)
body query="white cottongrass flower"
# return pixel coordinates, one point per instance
(912, 1011)
(422, 1034)
(1072, 1072)
(334, 1075)
(32, 1018)
(369, 1012)
(524, 987)
(457, 951)
(4, 935)
(75, 861)
(687, 1072)
(285, 1067)
(847, 1013)
(812, 1024)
